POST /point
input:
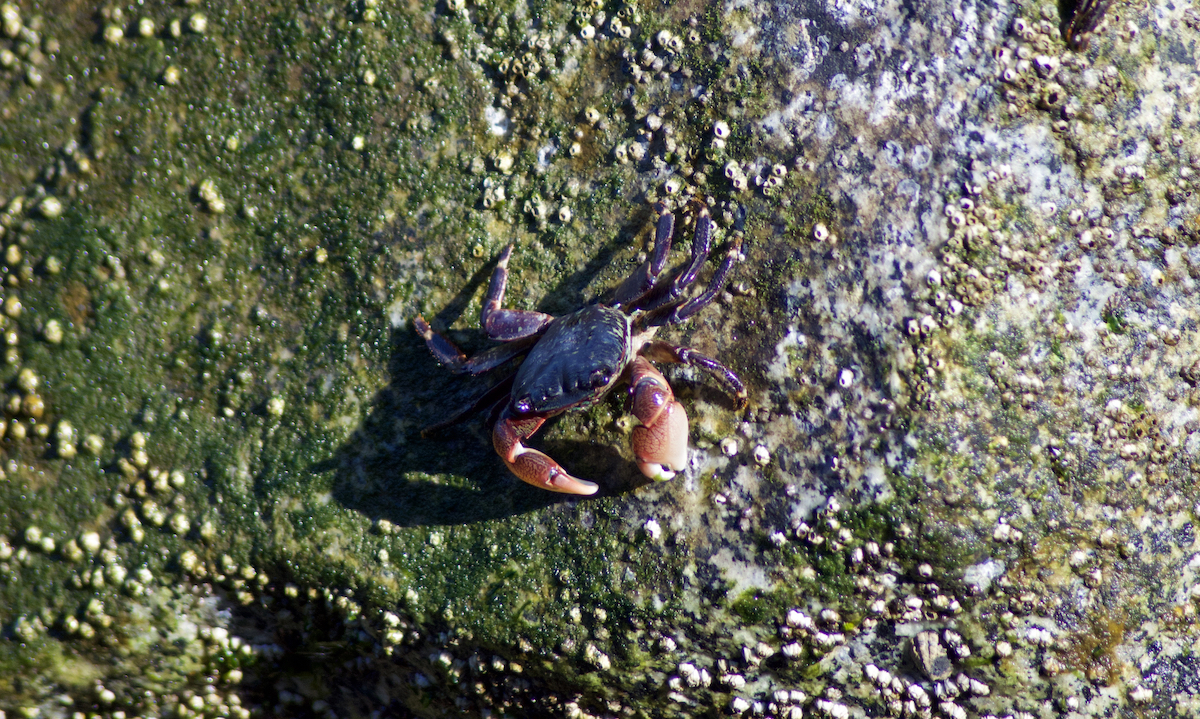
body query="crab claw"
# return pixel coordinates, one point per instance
(660, 442)
(529, 464)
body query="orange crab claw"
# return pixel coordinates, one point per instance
(660, 442)
(529, 464)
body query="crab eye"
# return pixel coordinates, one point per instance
(523, 405)
(600, 377)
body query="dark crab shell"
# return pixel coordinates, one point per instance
(578, 358)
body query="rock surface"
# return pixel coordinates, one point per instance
(966, 315)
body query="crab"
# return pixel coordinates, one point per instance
(574, 360)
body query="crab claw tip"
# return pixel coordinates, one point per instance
(563, 482)
(656, 472)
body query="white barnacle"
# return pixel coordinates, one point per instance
(53, 332)
(503, 162)
(90, 541)
(116, 573)
(275, 407)
(180, 524)
(596, 657)
(211, 196)
(761, 456)
(50, 207)
(690, 674)
(10, 15)
(64, 439)
(93, 443)
(153, 513)
(198, 23)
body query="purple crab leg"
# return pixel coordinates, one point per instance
(659, 351)
(701, 242)
(694, 305)
(505, 324)
(448, 354)
(642, 281)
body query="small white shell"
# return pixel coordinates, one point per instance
(761, 456)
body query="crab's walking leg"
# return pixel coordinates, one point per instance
(660, 441)
(694, 305)
(504, 324)
(669, 295)
(451, 356)
(529, 464)
(638, 285)
(660, 351)
(443, 349)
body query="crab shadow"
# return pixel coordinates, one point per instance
(388, 470)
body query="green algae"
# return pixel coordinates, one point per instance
(298, 294)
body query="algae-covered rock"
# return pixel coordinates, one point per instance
(965, 312)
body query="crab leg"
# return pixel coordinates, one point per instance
(670, 295)
(448, 354)
(638, 285)
(660, 351)
(529, 464)
(504, 324)
(660, 441)
(444, 350)
(696, 304)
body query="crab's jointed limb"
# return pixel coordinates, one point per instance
(504, 324)
(660, 441)
(529, 464)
